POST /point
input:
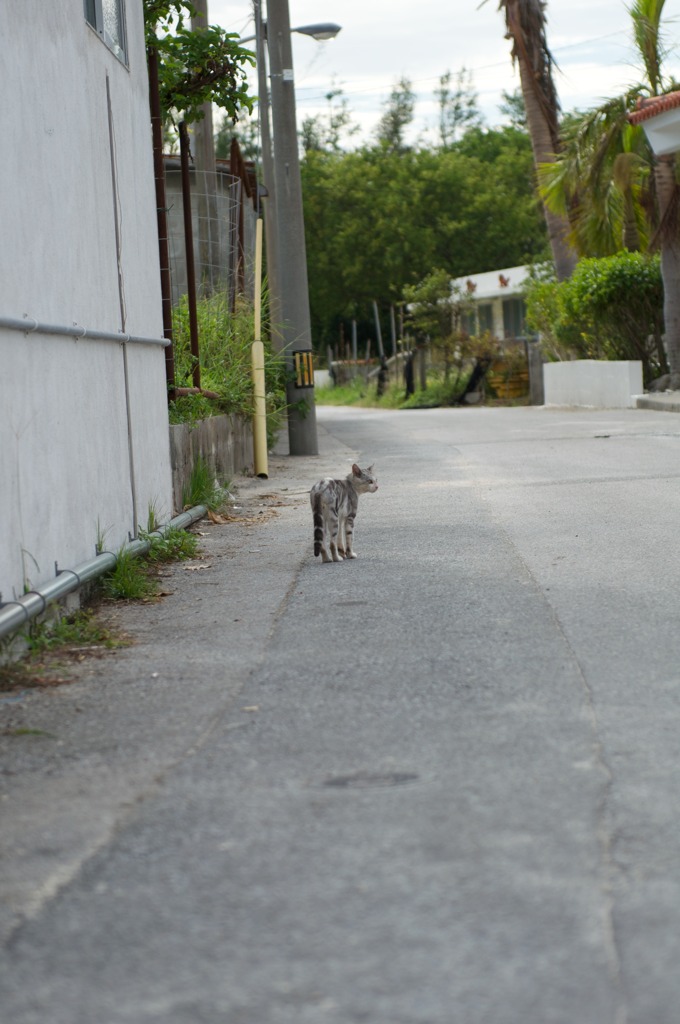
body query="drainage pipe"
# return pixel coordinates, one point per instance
(16, 614)
(29, 326)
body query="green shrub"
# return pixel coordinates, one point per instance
(610, 308)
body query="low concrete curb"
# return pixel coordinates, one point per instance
(668, 401)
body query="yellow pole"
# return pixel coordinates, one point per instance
(257, 355)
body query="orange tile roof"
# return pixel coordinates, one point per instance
(654, 105)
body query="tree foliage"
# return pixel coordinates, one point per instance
(603, 178)
(195, 67)
(610, 308)
(618, 193)
(458, 106)
(328, 132)
(436, 312)
(380, 220)
(397, 116)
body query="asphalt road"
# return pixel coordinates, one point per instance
(439, 784)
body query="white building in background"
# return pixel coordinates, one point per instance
(499, 302)
(84, 448)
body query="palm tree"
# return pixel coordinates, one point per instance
(526, 26)
(603, 176)
(619, 194)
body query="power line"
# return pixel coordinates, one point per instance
(360, 88)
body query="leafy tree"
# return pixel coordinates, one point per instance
(436, 313)
(378, 221)
(195, 67)
(646, 15)
(458, 107)
(513, 108)
(397, 117)
(361, 244)
(327, 131)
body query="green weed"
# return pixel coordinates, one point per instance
(100, 538)
(153, 517)
(362, 393)
(129, 580)
(29, 732)
(203, 489)
(172, 546)
(133, 579)
(81, 629)
(225, 341)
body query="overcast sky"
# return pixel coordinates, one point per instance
(384, 40)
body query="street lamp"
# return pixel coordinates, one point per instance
(323, 30)
(284, 221)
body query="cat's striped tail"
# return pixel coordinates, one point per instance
(318, 524)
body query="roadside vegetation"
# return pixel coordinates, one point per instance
(610, 308)
(438, 392)
(136, 578)
(464, 196)
(49, 644)
(226, 337)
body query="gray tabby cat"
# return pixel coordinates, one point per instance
(334, 505)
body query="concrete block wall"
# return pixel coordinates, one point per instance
(225, 443)
(595, 383)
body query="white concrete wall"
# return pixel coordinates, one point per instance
(596, 383)
(65, 435)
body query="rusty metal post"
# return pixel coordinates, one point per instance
(189, 251)
(161, 216)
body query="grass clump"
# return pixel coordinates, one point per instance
(173, 545)
(135, 577)
(129, 580)
(203, 488)
(82, 629)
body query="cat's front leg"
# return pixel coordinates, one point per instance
(342, 542)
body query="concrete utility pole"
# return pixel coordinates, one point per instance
(292, 255)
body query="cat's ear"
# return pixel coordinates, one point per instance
(356, 470)
(369, 469)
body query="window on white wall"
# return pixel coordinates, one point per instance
(107, 17)
(514, 318)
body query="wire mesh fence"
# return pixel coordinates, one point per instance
(223, 227)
